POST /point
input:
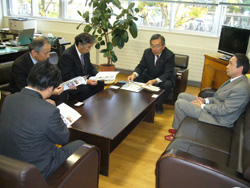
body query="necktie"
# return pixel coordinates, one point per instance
(157, 60)
(82, 61)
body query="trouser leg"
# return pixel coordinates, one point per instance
(184, 108)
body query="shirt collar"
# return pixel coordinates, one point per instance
(33, 60)
(79, 54)
(232, 79)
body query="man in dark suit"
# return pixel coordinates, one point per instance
(39, 50)
(156, 68)
(75, 61)
(31, 126)
(227, 104)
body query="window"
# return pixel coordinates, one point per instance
(197, 16)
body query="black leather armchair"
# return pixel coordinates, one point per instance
(80, 170)
(181, 73)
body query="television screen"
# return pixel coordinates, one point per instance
(233, 40)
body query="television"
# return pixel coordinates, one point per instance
(233, 40)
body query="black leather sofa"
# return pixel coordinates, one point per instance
(80, 170)
(5, 75)
(205, 155)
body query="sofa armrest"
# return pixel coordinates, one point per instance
(80, 170)
(207, 92)
(4, 94)
(176, 168)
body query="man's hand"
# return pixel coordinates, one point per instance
(151, 82)
(198, 102)
(131, 77)
(92, 82)
(51, 102)
(58, 90)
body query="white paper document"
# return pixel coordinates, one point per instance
(73, 82)
(105, 75)
(68, 114)
(138, 86)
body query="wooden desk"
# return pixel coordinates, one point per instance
(109, 116)
(214, 71)
(11, 53)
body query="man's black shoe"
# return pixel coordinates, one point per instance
(159, 109)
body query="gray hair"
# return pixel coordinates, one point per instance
(38, 43)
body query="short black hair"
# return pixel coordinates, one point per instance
(158, 36)
(44, 75)
(84, 38)
(38, 43)
(242, 60)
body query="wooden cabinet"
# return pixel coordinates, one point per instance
(214, 72)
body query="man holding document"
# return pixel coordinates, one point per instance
(75, 61)
(31, 126)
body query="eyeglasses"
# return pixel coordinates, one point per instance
(87, 47)
(156, 46)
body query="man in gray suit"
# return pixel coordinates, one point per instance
(30, 126)
(229, 101)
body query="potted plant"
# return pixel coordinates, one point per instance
(110, 34)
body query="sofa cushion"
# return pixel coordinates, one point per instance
(246, 148)
(212, 136)
(5, 72)
(199, 150)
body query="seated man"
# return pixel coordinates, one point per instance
(30, 126)
(39, 50)
(75, 61)
(156, 67)
(224, 108)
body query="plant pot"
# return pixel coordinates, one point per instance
(106, 67)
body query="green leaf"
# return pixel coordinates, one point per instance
(99, 31)
(102, 43)
(104, 24)
(125, 36)
(109, 46)
(79, 13)
(117, 3)
(106, 54)
(79, 25)
(137, 10)
(97, 46)
(103, 51)
(131, 5)
(99, 38)
(86, 16)
(133, 29)
(114, 58)
(87, 28)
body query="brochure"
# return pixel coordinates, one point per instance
(73, 82)
(105, 76)
(138, 86)
(68, 114)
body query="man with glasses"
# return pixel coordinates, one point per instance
(75, 61)
(156, 68)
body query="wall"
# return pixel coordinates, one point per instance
(128, 57)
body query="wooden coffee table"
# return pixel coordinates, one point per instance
(109, 116)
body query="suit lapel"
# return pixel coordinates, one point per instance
(77, 59)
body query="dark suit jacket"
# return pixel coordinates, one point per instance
(20, 71)
(30, 128)
(164, 69)
(70, 65)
